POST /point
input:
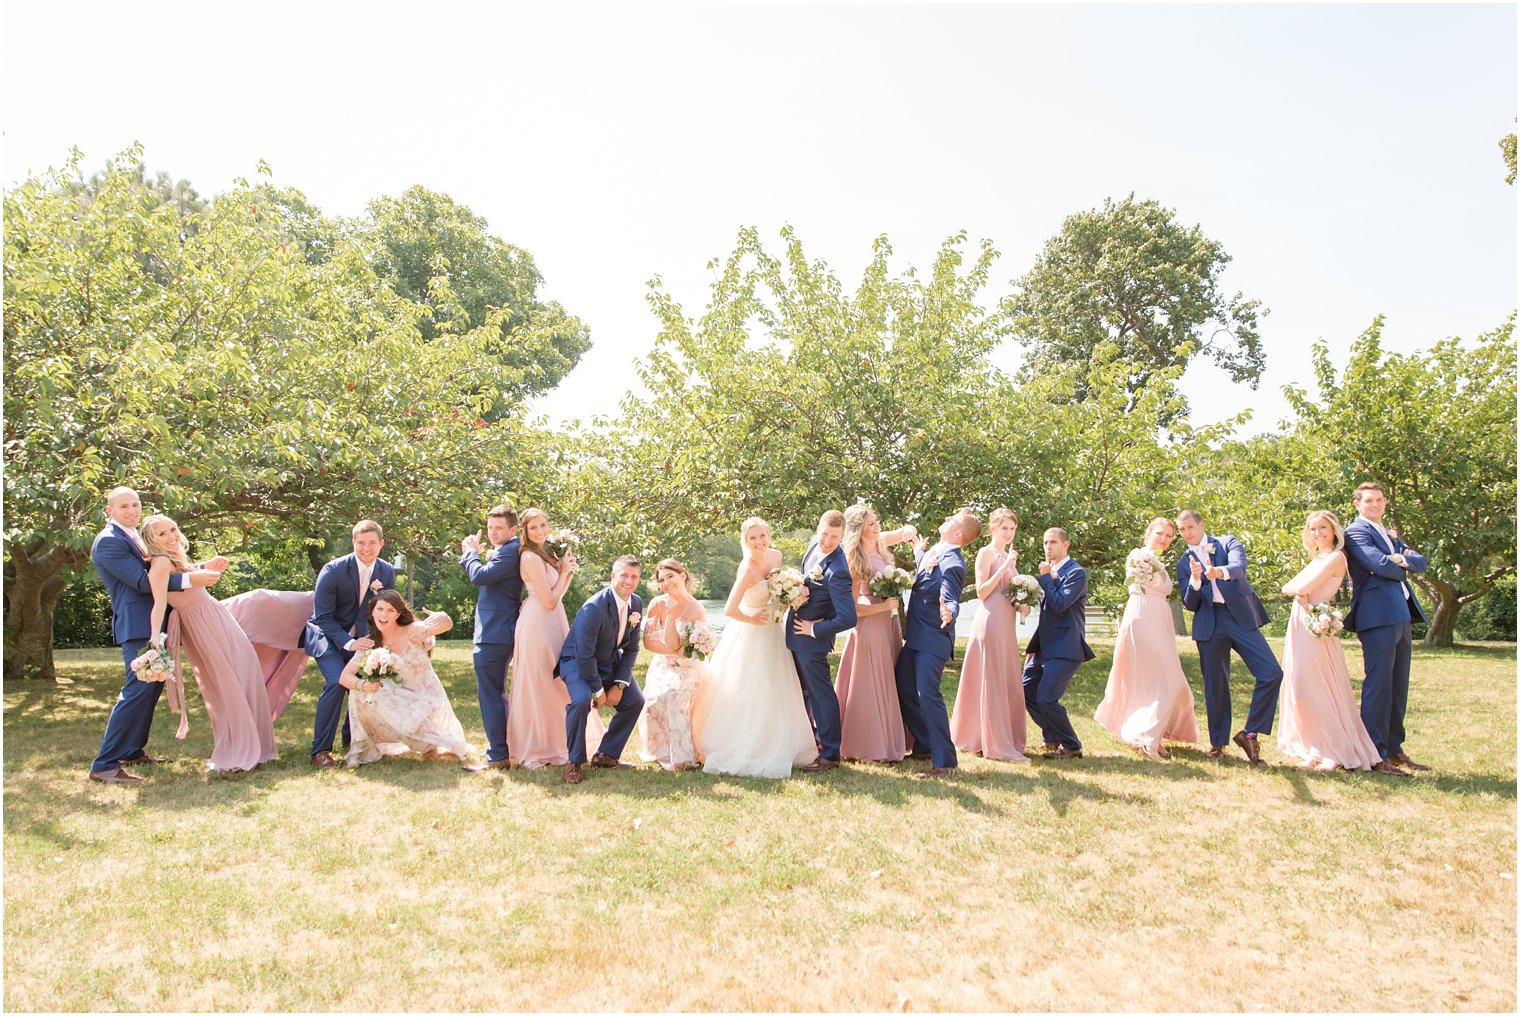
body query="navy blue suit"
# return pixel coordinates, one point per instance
(927, 644)
(337, 615)
(1057, 648)
(122, 568)
(1382, 617)
(594, 659)
(831, 607)
(498, 600)
(1220, 627)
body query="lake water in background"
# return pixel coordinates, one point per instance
(969, 610)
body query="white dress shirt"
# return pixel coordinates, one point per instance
(1202, 550)
(1379, 527)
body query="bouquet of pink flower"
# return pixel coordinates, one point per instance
(562, 541)
(1022, 590)
(1142, 569)
(154, 663)
(698, 641)
(785, 584)
(378, 664)
(1323, 620)
(891, 582)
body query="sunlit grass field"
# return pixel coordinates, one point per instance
(1112, 882)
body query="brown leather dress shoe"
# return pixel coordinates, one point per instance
(820, 764)
(1216, 752)
(144, 760)
(1388, 767)
(573, 772)
(601, 761)
(1249, 746)
(480, 767)
(1398, 758)
(1064, 752)
(935, 773)
(117, 775)
(325, 760)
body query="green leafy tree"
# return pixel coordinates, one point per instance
(1131, 275)
(1507, 149)
(1437, 429)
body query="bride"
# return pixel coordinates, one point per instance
(751, 720)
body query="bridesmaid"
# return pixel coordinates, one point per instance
(1148, 700)
(1321, 726)
(227, 670)
(989, 704)
(870, 716)
(536, 722)
(673, 680)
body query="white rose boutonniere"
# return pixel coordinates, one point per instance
(816, 575)
(375, 586)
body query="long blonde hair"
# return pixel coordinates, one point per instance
(178, 553)
(856, 554)
(1335, 524)
(752, 522)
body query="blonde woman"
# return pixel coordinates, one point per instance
(1320, 727)
(673, 679)
(870, 716)
(989, 702)
(227, 670)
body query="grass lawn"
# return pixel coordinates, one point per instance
(1107, 883)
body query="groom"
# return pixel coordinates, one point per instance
(929, 638)
(499, 581)
(828, 610)
(596, 665)
(339, 627)
(121, 561)
(1383, 609)
(1227, 614)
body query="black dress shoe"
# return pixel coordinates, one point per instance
(117, 775)
(480, 767)
(1398, 758)
(820, 764)
(1249, 746)
(601, 761)
(1388, 767)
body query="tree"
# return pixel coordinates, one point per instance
(1438, 431)
(236, 383)
(1507, 150)
(1131, 275)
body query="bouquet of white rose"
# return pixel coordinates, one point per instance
(1022, 590)
(1142, 568)
(891, 582)
(562, 541)
(1323, 620)
(377, 665)
(784, 585)
(698, 641)
(154, 663)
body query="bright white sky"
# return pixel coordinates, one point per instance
(1346, 156)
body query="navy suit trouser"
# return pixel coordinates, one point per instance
(1045, 681)
(126, 735)
(919, 675)
(333, 700)
(625, 715)
(1385, 684)
(822, 701)
(1214, 660)
(491, 661)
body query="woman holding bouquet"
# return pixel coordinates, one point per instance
(1148, 700)
(989, 703)
(751, 719)
(399, 704)
(871, 723)
(677, 634)
(536, 718)
(1321, 726)
(227, 670)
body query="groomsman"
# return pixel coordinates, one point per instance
(596, 665)
(1058, 646)
(828, 610)
(1227, 614)
(498, 599)
(339, 627)
(121, 561)
(929, 638)
(1383, 609)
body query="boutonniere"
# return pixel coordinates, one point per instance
(931, 562)
(634, 618)
(816, 575)
(487, 554)
(375, 586)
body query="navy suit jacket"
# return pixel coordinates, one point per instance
(830, 604)
(1061, 633)
(1243, 603)
(499, 593)
(1377, 584)
(924, 633)
(337, 609)
(122, 568)
(592, 650)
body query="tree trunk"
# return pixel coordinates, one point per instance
(33, 585)
(1443, 623)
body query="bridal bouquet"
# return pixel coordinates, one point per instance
(377, 665)
(891, 582)
(562, 541)
(1323, 620)
(154, 663)
(1022, 590)
(784, 585)
(698, 641)
(1142, 568)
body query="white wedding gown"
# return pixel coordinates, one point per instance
(751, 720)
